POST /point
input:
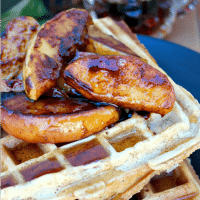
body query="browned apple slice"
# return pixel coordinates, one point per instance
(126, 81)
(12, 85)
(53, 120)
(14, 44)
(55, 45)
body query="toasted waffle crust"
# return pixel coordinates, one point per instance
(110, 162)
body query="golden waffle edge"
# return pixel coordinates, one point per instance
(156, 144)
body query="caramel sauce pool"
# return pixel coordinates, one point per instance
(45, 167)
(127, 142)
(7, 182)
(25, 153)
(85, 153)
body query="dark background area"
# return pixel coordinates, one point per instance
(5, 5)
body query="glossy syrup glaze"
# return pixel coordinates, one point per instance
(45, 167)
(23, 153)
(86, 153)
(127, 142)
(125, 81)
(45, 105)
(7, 182)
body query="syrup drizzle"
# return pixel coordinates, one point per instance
(86, 153)
(22, 154)
(41, 168)
(7, 182)
(127, 143)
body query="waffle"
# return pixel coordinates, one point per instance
(107, 164)
(181, 183)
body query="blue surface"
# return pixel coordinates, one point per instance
(183, 66)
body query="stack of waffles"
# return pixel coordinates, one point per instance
(179, 184)
(117, 162)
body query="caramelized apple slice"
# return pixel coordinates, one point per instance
(126, 81)
(17, 36)
(54, 45)
(12, 85)
(53, 120)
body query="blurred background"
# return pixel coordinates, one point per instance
(177, 21)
